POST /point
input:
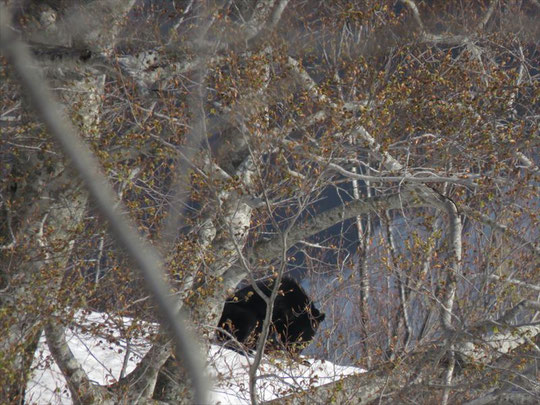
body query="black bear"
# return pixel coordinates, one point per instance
(294, 318)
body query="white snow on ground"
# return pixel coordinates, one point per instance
(104, 354)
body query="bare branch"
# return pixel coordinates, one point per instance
(488, 14)
(97, 23)
(498, 337)
(515, 398)
(503, 229)
(527, 163)
(412, 5)
(308, 83)
(499, 340)
(515, 282)
(525, 304)
(259, 17)
(448, 375)
(264, 19)
(380, 179)
(393, 165)
(276, 15)
(144, 255)
(81, 388)
(141, 381)
(404, 297)
(366, 387)
(454, 241)
(414, 369)
(267, 250)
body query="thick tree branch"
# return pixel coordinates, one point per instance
(267, 250)
(435, 199)
(276, 14)
(488, 14)
(515, 282)
(414, 369)
(416, 14)
(96, 23)
(366, 387)
(140, 383)
(514, 398)
(83, 391)
(499, 340)
(493, 338)
(259, 17)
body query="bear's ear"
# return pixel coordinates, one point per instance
(321, 316)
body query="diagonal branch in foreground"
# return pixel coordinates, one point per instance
(144, 255)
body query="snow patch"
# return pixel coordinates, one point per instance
(99, 343)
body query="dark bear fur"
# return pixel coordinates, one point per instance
(294, 318)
